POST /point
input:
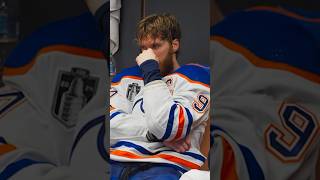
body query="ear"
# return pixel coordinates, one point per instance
(175, 45)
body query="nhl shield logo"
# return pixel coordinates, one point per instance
(133, 90)
(74, 90)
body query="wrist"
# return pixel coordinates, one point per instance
(150, 70)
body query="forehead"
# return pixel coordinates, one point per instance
(150, 40)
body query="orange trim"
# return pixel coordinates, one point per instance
(128, 77)
(6, 148)
(259, 62)
(162, 156)
(181, 123)
(228, 170)
(62, 48)
(190, 80)
(284, 12)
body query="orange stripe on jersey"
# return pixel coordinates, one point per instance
(259, 62)
(6, 148)
(181, 123)
(228, 170)
(167, 157)
(190, 80)
(60, 48)
(285, 12)
(128, 77)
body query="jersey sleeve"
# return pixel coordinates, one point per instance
(27, 150)
(123, 125)
(178, 103)
(119, 97)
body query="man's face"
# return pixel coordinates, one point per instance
(164, 51)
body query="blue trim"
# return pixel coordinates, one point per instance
(194, 155)
(190, 121)
(137, 147)
(195, 73)
(18, 96)
(136, 102)
(114, 114)
(84, 130)
(141, 106)
(277, 38)
(254, 169)
(15, 167)
(80, 31)
(3, 141)
(145, 151)
(133, 71)
(102, 148)
(170, 123)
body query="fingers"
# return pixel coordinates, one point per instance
(145, 55)
(188, 140)
(179, 146)
(186, 146)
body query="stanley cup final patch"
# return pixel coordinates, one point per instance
(73, 91)
(132, 91)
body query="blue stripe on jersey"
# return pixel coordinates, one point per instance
(15, 167)
(133, 71)
(115, 114)
(80, 31)
(274, 37)
(102, 147)
(190, 121)
(195, 73)
(141, 99)
(254, 169)
(170, 122)
(145, 151)
(85, 129)
(17, 97)
(194, 155)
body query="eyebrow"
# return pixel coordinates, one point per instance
(154, 43)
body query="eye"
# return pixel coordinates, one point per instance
(143, 48)
(155, 46)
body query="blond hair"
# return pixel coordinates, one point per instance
(164, 26)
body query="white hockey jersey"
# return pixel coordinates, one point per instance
(266, 95)
(52, 122)
(170, 109)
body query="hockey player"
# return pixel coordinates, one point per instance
(159, 109)
(266, 94)
(52, 122)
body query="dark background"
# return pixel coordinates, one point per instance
(32, 14)
(193, 17)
